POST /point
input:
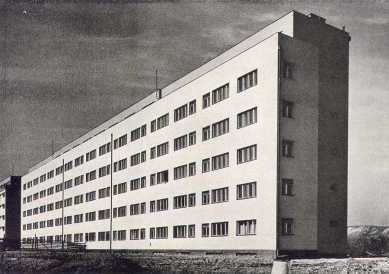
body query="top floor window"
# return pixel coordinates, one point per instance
(163, 121)
(206, 100)
(220, 94)
(180, 113)
(247, 81)
(192, 107)
(287, 69)
(121, 141)
(91, 155)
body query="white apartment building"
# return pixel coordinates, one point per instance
(247, 153)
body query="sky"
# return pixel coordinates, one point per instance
(68, 66)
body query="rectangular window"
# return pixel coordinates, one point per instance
(135, 184)
(220, 94)
(152, 179)
(36, 211)
(152, 233)
(104, 149)
(287, 69)
(58, 221)
(247, 227)
(287, 187)
(122, 211)
(78, 199)
(78, 218)
(162, 232)
(205, 197)
(179, 231)
(180, 172)
(220, 128)
(122, 188)
(91, 155)
(90, 196)
(134, 234)
(246, 191)
(69, 184)
(50, 174)
(123, 140)
(247, 117)
(58, 205)
(287, 109)
(91, 176)
(143, 182)
(220, 161)
(219, 229)
(36, 196)
(143, 234)
(79, 180)
(121, 235)
(104, 192)
(206, 133)
(122, 164)
(192, 107)
(287, 226)
(50, 207)
(205, 230)
(79, 161)
(90, 216)
(152, 153)
(163, 177)
(143, 208)
(162, 204)
(90, 237)
(206, 165)
(68, 202)
(135, 209)
(143, 130)
(69, 166)
(58, 188)
(191, 231)
(42, 193)
(192, 138)
(163, 149)
(135, 134)
(247, 81)
(104, 214)
(58, 171)
(50, 223)
(163, 121)
(42, 209)
(220, 195)
(206, 100)
(143, 156)
(247, 154)
(287, 148)
(78, 237)
(180, 113)
(192, 169)
(42, 178)
(180, 201)
(135, 159)
(152, 206)
(192, 199)
(105, 170)
(50, 191)
(153, 126)
(180, 142)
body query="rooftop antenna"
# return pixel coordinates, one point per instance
(52, 147)
(158, 91)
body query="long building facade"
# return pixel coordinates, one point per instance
(246, 153)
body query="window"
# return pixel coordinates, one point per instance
(122, 211)
(104, 214)
(42, 193)
(163, 121)
(152, 153)
(68, 202)
(122, 164)
(287, 148)
(152, 206)
(78, 199)
(58, 171)
(206, 100)
(69, 184)
(152, 233)
(79, 180)
(135, 209)
(220, 161)
(50, 191)
(90, 237)
(135, 184)
(180, 172)
(58, 221)
(220, 195)
(143, 234)
(246, 191)
(179, 231)
(205, 165)
(58, 204)
(36, 196)
(135, 134)
(247, 117)
(220, 94)
(162, 204)
(206, 133)
(104, 192)
(287, 187)
(287, 109)
(163, 149)
(90, 216)
(121, 141)
(162, 232)
(205, 230)
(153, 126)
(143, 208)
(192, 107)
(180, 113)
(78, 237)
(219, 229)
(121, 235)
(191, 231)
(91, 155)
(105, 170)
(192, 138)
(246, 227)
(104, 149)
(143, 156)
(180, 201)
(205, 197)
(122, 188)
(42, 209)
(50, 174)
(50, 207)
(247, 154)
(287, 69)
(220, 128)
(162, 177)
(78, 161)
(143, 130)
(50, 223)
(134, 234)
(35, 225)
(247, 81)
(42, 178)
(69, 166)
(36, 211)
(192, 169)
(180, 142)
(90, 196)
(192, 199)
(152, 179)
(91, 176)
(78, 218)
(143, 182)
(287, 226)
(135, 159)
(58, 188)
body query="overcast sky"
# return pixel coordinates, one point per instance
(67, 67)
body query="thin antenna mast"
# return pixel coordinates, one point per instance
(158, 91)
